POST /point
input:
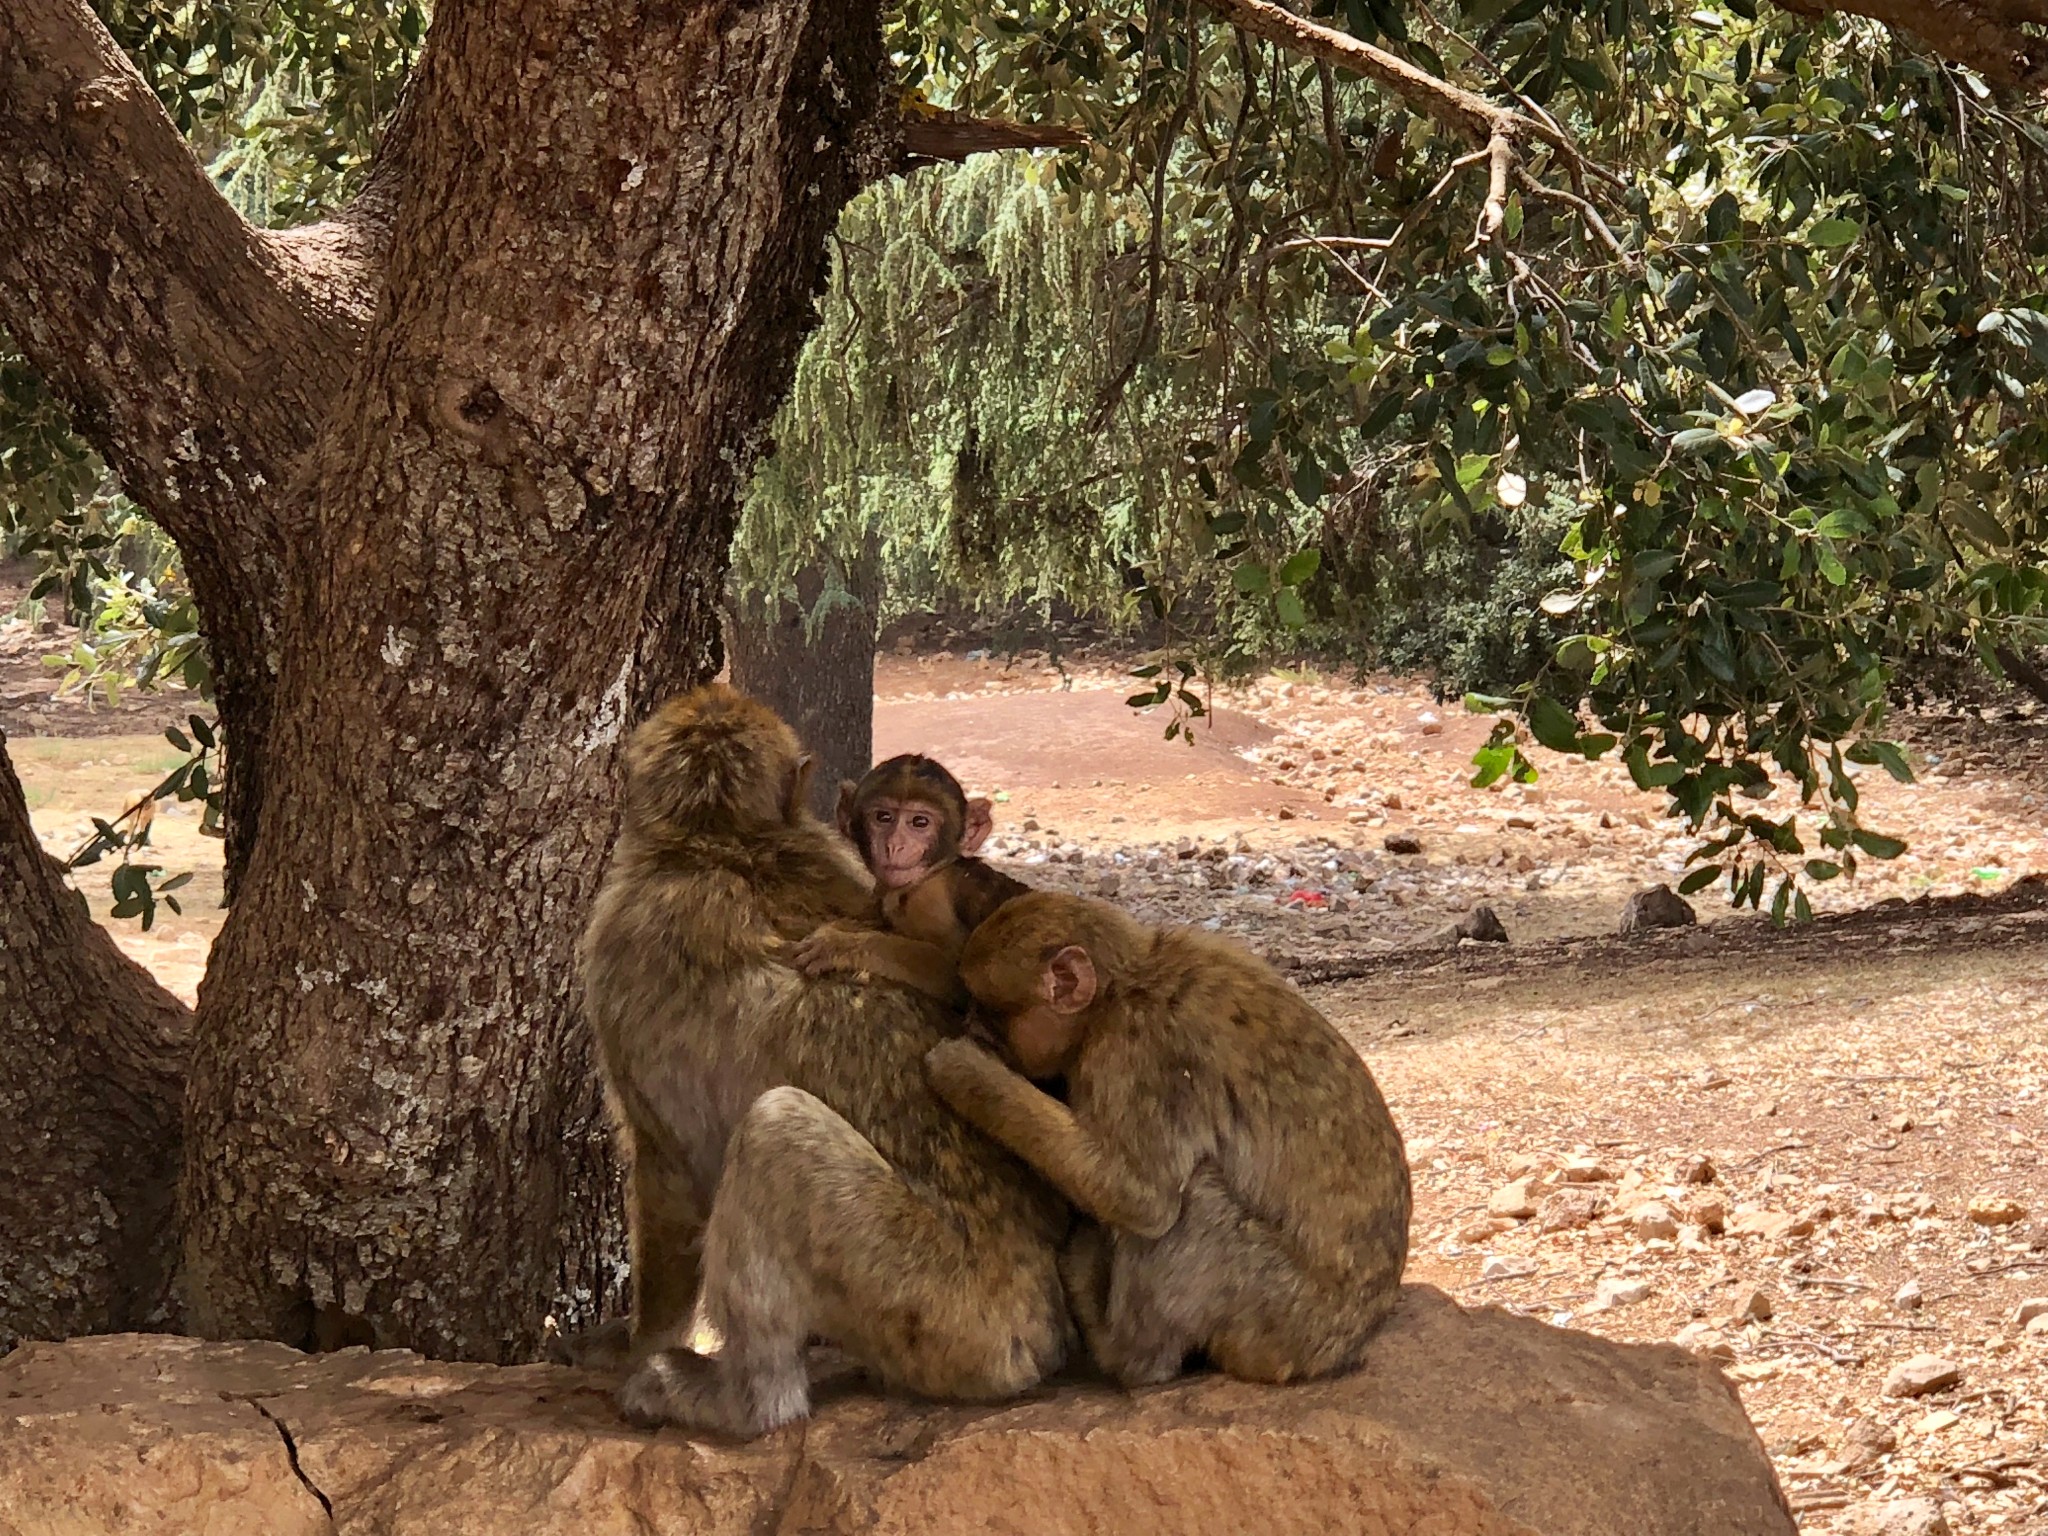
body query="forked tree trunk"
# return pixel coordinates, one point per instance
(593, 254)
(823, 684)
(92, 1055)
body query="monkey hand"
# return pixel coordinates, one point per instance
(831, 948)
(967, 1076)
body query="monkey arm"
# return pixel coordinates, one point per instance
(1097, 1177)
(928, 968)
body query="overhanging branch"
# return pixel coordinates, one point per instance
(1984, 35)
(930, 135)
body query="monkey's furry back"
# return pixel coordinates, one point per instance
(696, 1014)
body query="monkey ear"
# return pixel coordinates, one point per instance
(981, 820)
(1070, 980)
(799, 790)
(847, 791)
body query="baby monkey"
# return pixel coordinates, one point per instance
(1250, 1187)
(917, 831)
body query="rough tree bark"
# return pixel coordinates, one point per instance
(823, 685)
(528, 371)
(94, 1054)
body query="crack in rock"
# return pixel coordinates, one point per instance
(291, 1456)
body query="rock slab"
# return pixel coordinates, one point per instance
(1475, 1423)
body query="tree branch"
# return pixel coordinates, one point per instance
(930, 136)
(1984, 35)
(178, 337)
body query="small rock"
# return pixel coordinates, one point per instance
(1391, 801)
(1908, 1297)
(1520, 821)
(1709, 1213)
(1585, 1170)
(1484, 1228)
(1895, 1517)
(1709, 1078)
(1572, 1206)
(1653, 1219)
(1513, 1200)
(1697, 1169)
(1611, 1293)
(1108, 883)
(1749, 1221)
(2038, 1328)
(1866, 1442)
(1483, 925)
(1756, 1307)
(1705, 1339)
(1902, 1123)
(1500, 1268)
(1428, 724)
(1658, 907)
(2031, 1308)
(1401, 842)
(1996, 1211)
(1920, 1375)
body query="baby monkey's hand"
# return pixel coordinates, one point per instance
(831, 948)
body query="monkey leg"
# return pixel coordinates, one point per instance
(668, 1242)
(1224, 1281)
(814, 1233)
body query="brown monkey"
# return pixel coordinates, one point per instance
(908, 815)
(926, 925)
(847, 1203)
(1250, 1185)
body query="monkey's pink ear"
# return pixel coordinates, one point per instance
(1070, 980)
(981, 820)
(847, 791)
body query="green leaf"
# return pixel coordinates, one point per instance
(1553, 725)
(1300, 567)
(1251, 578)
(1877, 846)
(1831, 233)
(1492, 763)
(1822, 869)
(1287, 603)
(1885, 752)
(1699, 879)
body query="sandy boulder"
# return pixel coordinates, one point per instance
(1474, 1423)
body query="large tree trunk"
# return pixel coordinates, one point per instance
(824, 685)
(91, 1074)
(592, 254)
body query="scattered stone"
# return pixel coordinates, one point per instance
(1499, 1267)
(2038, 1328)
(1864, 1445)
(1513, 1200)
(1895, 1517)
(2028, 1310)
(1520, 821)
(1484, 1228)
(1921, 1375)
(1570, 1207)
(1658, 907)
(1483, 925)
(1697, 1169)
(1777, 1226)
(1902, 1123)
(1428, 724)
(1585, 1170)
(1756, 1307)
(1705, 1339)
(1401, 842)
(1996, 1211)
(1611, 1293)
(1908, 1297)
(1709, 1213)
(1108, 883)
(1653, 1219)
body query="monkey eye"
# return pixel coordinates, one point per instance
(920, 822)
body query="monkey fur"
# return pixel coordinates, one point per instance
(788, 1158)
(908, 815)
(1250, 1187)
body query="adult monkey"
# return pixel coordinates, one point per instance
(1250, 1186)
(787, 1155)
